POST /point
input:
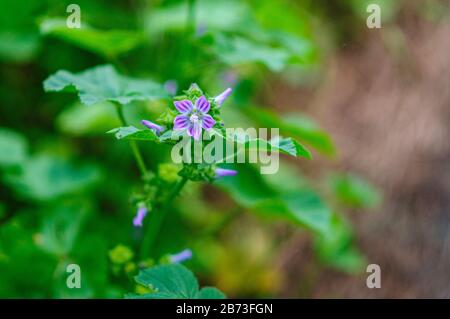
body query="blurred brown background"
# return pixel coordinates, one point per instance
(385, 99)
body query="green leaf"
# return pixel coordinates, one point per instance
(306, 130)
(45, 177)
(133, 133)
(18, 46)
(286, 196)
(61, 227)
(17, 249)
(287, 179)
(286, 26)
(336, 247)
(301, 206)
(287, 146)
(210, 293)
(223, 15)
(236, 50)
(353, 191)
(13, 146)
(295, 125)
(300, 49)
(242, 186)
(80, 120)
(171, 135)
(103, 83)
(19, 37)
(173, 281)
(110, 43)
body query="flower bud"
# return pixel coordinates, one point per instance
(140, 215)
(221, 172)
(181, 256)
(219, 99)
(158, 129)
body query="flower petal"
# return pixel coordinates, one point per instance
(140, 215)
(153, 126)
(184, 106)
(202, 104)
(221, 172)
(181, 122)
(181, 256)
(208, 122)
(219, 99)
(195, 131)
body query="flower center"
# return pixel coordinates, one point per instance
(194, 118)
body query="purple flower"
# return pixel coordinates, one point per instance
(221, 172)
(201, 30)
(140, 215)
(193, 118)
(230, 77)
(181, 256)
(219, 99)
(171, 87)
(158, 129)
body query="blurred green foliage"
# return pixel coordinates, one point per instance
(67, 187)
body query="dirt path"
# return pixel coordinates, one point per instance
(388, 109)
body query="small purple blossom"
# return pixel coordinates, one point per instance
(171, 87)
(219, 99)
(158, 129)
(181, 256)
(140, 215)
(193, 118)
(230, 77)
(201, 30)
(221, 172)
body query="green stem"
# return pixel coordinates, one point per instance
(156, 219)
(133, 145)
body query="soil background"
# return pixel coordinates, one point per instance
(385, 99)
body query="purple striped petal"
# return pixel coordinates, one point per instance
(202, 104)
(221, 172)
(219, 99)
(155, 127)
(140, 215)
(195, 131)
(181, 122)
(208, 122)
(184, 106)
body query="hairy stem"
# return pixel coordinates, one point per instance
(133, 145)
(156, 219)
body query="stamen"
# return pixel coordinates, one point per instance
(194, 118)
